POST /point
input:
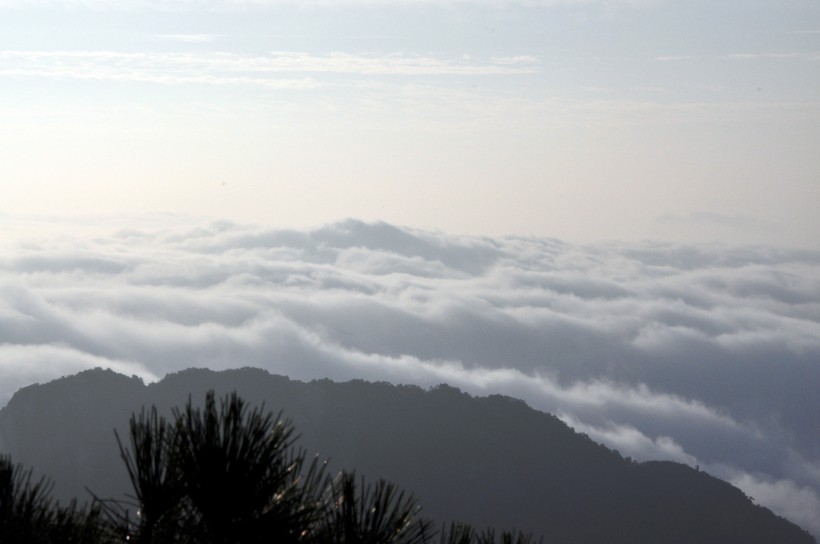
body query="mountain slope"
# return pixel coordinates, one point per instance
(489, 461)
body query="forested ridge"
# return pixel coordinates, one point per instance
(223, 474)
(444, 455)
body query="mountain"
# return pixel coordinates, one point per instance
(487, 461)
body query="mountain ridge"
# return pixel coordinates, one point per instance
(482, 460)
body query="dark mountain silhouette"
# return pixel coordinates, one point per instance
(489, 461)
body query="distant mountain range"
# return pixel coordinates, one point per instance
(487, 461)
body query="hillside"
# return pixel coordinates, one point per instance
(489, 461)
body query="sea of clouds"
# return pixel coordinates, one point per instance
(708, 355)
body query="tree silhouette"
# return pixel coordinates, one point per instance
(220, 474)
(371, 514)
(156, 488)
(459, 533)
(240, 475)
(29, 515)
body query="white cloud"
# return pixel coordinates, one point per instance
(741, 56)
(514, 60)
(705, 354)
(672, 58)
(801, 504)
(757, 56)
(215, 68)
(190, 38)
(25, 364)
(630, 442)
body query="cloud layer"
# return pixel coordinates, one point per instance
(232, 69)
(705, 355)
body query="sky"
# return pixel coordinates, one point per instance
(607, 208)
(584, 120)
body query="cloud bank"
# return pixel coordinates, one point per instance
(704, 355)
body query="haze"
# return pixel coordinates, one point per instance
(604, 119)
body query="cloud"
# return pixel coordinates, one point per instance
(630, 442)
(216, 68)
(756, 56)
(674, 58)
(190, 38)
(741, 56)
(514, 60)
(702, 354)
(800, 503)
(22, 365)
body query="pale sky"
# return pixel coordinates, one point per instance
(695, 121)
